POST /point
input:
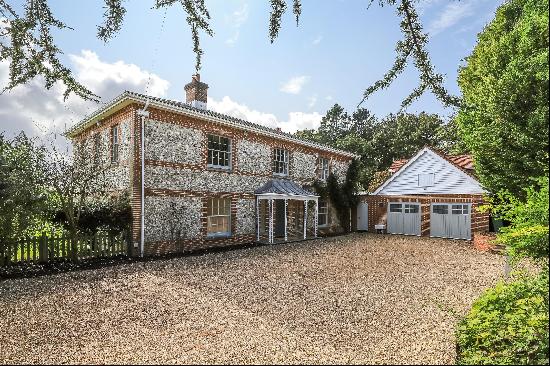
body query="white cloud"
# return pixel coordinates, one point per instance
(328, 97)
(317, 40)
(236, 20)
(37, 111)
(96, 74)
(312, 101)
(233, 39)
(294, 85)
(451, 15)
(296, 120)
(300, 121)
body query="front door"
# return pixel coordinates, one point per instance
(404, 218)
(362, 216)
(279, 218)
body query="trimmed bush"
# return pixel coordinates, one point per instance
(507, 325)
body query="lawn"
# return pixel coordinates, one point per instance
(360, 298)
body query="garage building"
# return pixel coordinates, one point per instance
(431, 194)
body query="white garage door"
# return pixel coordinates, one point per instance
(451, 220)
(404, 218)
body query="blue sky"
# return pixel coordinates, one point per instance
(338, 49)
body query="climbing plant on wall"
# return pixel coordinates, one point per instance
(343, 196)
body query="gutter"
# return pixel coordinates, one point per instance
(192, 113)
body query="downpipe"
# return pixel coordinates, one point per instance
(143, 113)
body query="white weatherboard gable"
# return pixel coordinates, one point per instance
(448, 178)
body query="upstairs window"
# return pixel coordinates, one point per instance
(280, 163)
(323, 169)
(219, 216)
(322, 214)
(97, 148)
(115, 140)
(426, 180)
(219, 152)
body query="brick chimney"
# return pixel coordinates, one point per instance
(196, 92)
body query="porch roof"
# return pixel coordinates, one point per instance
(283, 187)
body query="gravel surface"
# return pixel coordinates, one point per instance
(360, 298)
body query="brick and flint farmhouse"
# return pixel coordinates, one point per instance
(200, 179)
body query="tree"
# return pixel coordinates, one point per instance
(527, 234)
(380, 142)
(28, 43)
(504, 118)
(76, 180)
(402, 135)
(334, 124)
(23, 196)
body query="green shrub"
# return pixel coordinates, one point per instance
(507, 325)
(113, 214)
(527, 236)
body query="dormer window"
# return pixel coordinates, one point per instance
(426, 179)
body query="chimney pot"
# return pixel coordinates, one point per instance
(196, 92)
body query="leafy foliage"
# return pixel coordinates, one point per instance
(32, 51)
(413, 45)
(377, 179)
(113, 215)
(527, 235)
(504, 120)
(23, 195)
(113, 18)
(278, 8)
(343, 196)
(508, 325)
(198, 19)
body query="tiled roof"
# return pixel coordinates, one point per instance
(397, 164)
(464, 162)
(142, 98)
(283, 186)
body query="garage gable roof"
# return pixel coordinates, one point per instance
(449, 178)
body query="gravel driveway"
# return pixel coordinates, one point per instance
(360, 298)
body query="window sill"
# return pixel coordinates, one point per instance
(218, 236)
(219, 168)
(280, 175)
